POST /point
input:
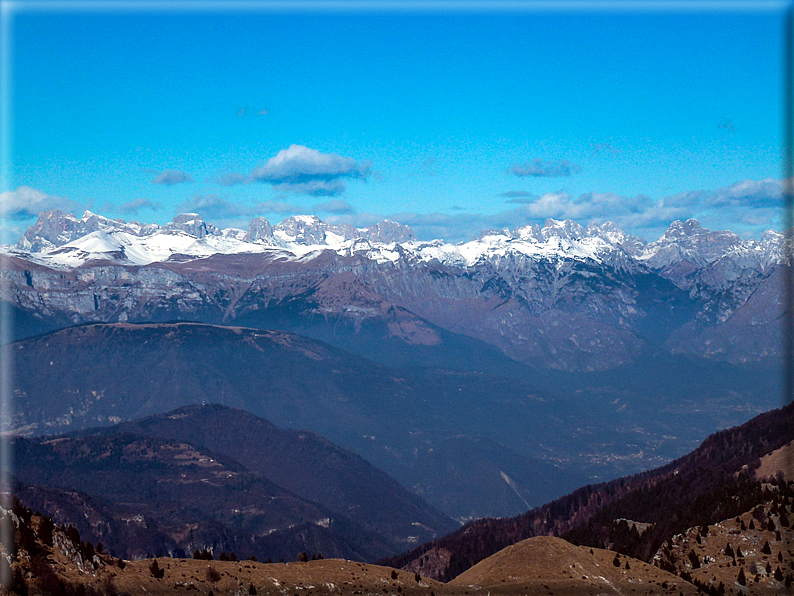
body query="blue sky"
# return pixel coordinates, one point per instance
(451, 121)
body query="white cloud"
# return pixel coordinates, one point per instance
(748, 207)
(314, 188)
(26, 203)
(278, 207)
(301, 170)
(521, 197)
(211, 206)
(132, 207)
(231, 179)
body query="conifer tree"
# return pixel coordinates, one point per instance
(766, 548)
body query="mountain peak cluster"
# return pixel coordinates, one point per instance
(63, 240)
(55, 229)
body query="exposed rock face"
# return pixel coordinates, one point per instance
(389, 231)
(193, 224)
(54, 228)
(301, 229)
(689, 241)
(259, 229)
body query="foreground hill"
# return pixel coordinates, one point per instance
(754, 550)
(713, 483)
(749, 552)
(545, 564)
(48, 560)
(51, 560)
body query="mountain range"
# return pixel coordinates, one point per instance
(488, 378)
(428, 428)
(525, 438)
(560, 296)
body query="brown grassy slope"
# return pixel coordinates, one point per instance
(329, 576)
(47, 560)
(537, 566)
(547, 564)
(780, 460)
(50, 561)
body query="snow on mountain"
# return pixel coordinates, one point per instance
(54, 229)
(194, 225)
(556, 240)
(689, 241)
(125, 248)
(63, 241)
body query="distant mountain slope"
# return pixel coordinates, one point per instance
(712, 483)
(388, 416)
(185, 498)
(305, 464)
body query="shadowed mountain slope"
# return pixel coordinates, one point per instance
(304, 463)
(184, 498)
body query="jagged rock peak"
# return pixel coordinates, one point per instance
(55, 228)
(690, 227)
(193, 224)
(259, 229)
(388, 231)
(689, 241)
(570, 230)
(566, 228)
(310, 229)
(692, 230)
(504, 232)
(302, 229)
